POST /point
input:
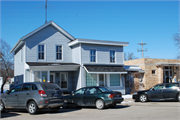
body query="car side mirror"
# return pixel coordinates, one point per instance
(72, 93)
(7, 91)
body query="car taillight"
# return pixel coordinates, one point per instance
(111, 96)
(42, 93)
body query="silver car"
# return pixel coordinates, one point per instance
(33, 97)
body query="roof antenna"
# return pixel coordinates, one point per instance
(46, 12)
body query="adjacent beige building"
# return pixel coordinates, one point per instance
(155, 71)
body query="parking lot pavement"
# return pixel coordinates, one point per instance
(126, 111)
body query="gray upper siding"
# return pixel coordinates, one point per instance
(102, 53)
(76, 53)
(50, 37)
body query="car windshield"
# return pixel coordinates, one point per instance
(50, 86)
(104, 89)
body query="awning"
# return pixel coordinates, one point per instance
(113, 69)
(168, 64)
(134, 69)
(53, 66)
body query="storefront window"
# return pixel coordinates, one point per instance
(114, 79)
(91, 79)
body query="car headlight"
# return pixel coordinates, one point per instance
(135, 93)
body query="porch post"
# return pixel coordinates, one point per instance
(48, 78)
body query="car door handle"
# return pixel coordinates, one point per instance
(27, 93)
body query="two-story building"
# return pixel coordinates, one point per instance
(50, 54)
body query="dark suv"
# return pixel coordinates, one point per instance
(164, 91)
(32, 96)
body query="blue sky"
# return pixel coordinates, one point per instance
(153, 22)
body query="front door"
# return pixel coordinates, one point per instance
(156, 92)
(52, 77)
(90, 96)
(101, 80)
(12, 97)
(78, 97)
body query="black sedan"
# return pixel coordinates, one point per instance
(94, 96)
(164, 91)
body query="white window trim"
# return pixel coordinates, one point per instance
(60, 80)
(90, 55)
(61, 52)
(40, 75)
(44, 53)
(110, 56)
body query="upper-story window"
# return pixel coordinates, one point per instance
(93, 55)
(112, 56)
(41, 52)
(58, 52)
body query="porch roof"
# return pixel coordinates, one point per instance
(113, 69)
(50, 64)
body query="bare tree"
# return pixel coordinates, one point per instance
(129, 56)
(7, 61)
(177, 43)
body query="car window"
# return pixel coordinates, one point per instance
(26, 87)
(16, 89)
(158, 87)
(80, 91)
(171, 85)
(103, 89)
(34, 87)
(91, 91)
(50, 86)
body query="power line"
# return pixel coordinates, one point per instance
(142, 50)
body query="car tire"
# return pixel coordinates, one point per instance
(55, 109)
(112, 105)
(143, 98)
(2, 108)
(178, 98)
(32, 108)
(100, 104)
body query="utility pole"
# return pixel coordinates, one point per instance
(46, 12)
(142, 50)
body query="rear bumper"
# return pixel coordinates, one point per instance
(114, 100)
(50, 103)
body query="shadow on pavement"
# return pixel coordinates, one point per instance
(7, 115)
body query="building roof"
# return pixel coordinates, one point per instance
(21, 41)
(133, 68)
(101, 42)
(104, 69)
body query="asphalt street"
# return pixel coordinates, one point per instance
(163, 110)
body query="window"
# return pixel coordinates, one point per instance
(34, 87)
(171, 85)
(64, 78)
(44, 76)
(80, 92)
(91, 79)
(26, 87)
(41, 52)
(112, 56)
(93, 55)
(58, 52)
(114, 79)
(158, 87)
(16, 89)
(91, 91)
(153, 72)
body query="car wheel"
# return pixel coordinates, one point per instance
(143, 98)
(178, 97)
(112, 105)
(2, 108)
(100, 104)
(55, 109)
(32, 108)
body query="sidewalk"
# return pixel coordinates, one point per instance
(127, 99)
